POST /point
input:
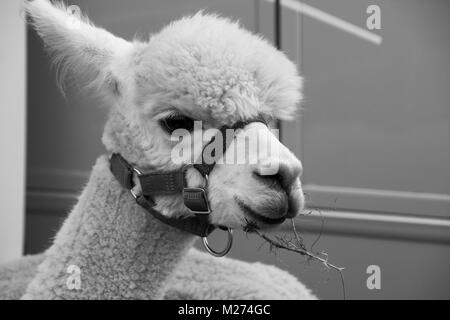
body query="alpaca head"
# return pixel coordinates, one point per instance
(200, 68)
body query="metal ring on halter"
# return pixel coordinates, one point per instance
(223, 252)
(134, 194)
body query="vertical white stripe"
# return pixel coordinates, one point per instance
(12, 130)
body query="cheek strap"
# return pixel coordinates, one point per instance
(165, 184)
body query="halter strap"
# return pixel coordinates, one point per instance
(162, 183)
(197, 225)
(205, 168)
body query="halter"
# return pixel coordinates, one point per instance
(174, 182)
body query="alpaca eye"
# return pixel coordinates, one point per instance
(174, 122)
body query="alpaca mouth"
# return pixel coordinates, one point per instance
(254, 215)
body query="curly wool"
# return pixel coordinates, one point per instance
(232, 280)
(121, 250)
(228, 72)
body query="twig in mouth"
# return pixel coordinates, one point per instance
(322, 225)
(296, 246)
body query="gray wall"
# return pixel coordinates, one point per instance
(64, 140)
(374, 141)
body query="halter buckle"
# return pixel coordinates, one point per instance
(196, 200)
(138, 173)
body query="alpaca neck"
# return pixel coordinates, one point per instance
(121, 251)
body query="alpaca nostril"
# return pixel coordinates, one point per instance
(284, 177)
(271, 180)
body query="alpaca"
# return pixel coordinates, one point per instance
(201, 67)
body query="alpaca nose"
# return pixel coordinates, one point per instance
(276, 164)
(288, 170)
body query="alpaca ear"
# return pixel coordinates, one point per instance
(78, 47)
